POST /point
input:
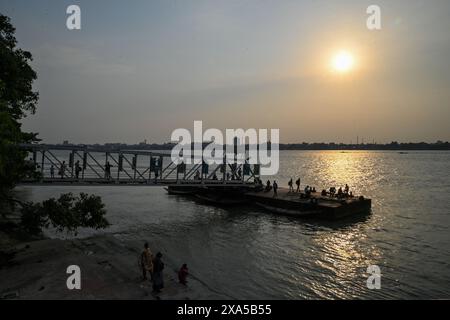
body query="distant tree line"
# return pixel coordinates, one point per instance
(439, 145)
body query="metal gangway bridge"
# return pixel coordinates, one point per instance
(79, 165)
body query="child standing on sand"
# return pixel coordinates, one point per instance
(182, 274)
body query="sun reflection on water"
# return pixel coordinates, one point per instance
(345, 258)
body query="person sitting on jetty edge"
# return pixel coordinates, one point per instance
(146, 261)
(332, 191)
(158, 280)
(197, 175)
(275, 188)
(340, 193)
(182, 274)
(290, 184)
(258, 184)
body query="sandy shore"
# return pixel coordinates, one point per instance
(109, 270)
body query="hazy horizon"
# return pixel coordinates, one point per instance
(139, 70)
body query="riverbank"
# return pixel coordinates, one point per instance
(109, 270)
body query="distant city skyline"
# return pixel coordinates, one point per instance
(138, 71)
(440, 144)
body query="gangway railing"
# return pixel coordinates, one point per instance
(79, 165)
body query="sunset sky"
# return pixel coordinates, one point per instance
(140, 69)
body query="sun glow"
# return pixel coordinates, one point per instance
(343, 62)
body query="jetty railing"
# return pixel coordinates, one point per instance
(79, 165)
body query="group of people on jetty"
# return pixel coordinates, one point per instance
(63, 170)
(154, 266)
(228, 177)
(340, 193)
(308, 190)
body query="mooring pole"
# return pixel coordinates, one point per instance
(224, 164)
(161, 163)
(106, 162)
(119, 166)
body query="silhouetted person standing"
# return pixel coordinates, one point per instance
(158, 266)
(77, 169)
(275, 188)
(108, 170)
(62, 169)
(268, 186)
(291, 188)
(297, 182)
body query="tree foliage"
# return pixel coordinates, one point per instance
(68, 213)
(17, 100)
(17, 76)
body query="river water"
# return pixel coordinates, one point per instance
(247, 253)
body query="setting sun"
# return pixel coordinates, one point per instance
(343, 61)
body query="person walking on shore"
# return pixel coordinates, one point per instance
(146, 262)
(158, 266)
(52, 172)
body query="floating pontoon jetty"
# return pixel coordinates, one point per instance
(286, 203)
